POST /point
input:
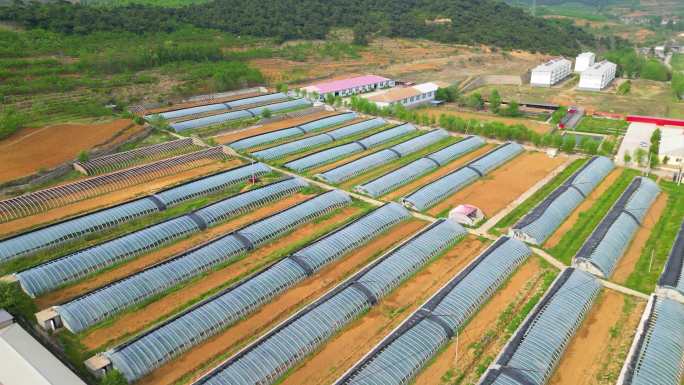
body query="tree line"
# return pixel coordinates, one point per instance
(483, 22)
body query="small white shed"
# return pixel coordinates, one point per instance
(466, 215)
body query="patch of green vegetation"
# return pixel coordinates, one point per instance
(572, 10)
(587, 221)
(522, 209)
(16, 302)
(677, 62)
(654, 254)
(602, 126)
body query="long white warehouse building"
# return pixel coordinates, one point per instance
(551, 72)
(598, 76)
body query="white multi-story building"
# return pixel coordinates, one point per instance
(551, 72)
(584, 61)
(598, 76)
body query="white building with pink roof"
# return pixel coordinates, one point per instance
(349, 86)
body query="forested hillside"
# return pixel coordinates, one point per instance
(472, 22)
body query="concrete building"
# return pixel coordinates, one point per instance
(639, 136)
(551, 72)
(24, 361)
(350, 86)
(584, 61)
(598, 76)
(407, 96)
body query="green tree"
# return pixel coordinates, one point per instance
(83, 156)
(627, 158)
(330, 99)
(495, 101)
(159, 123)
(655, 70)
(624, 88)
(16, 302)
(569, 143)
(10, 121)
(113, 377)
(266, 113)
(361, 34)
(640, 156)
(513, 109)
(475, 101)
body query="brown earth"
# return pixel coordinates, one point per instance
(626, 265)
(497, 190)
(440, 172)
(113, 198)
(146, 260)
(355, 340)
(459, 357)
(269, 127)
(603, 339)
(584, 206)
(240, 334)
(179, 106)
(135, 321)
(535, 125)
(30, 150)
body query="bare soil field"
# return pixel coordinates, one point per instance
(626, 265)
(414, 60)
(598, 349)
(228, 342)
(30, 150)
(485, 334)
(339, 354)
(584, 206)
(269, 127)
(135, 321)
(163, 253)
(497, 190)
(113, 198)
(180, 106)
(440, 172)
(537, 126)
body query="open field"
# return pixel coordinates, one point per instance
(535, 125)
(495, 191)
(488, 330)
(595, 354)
(277, 310)
(31, 150)
(341, 352)
(645, 98)
(113, 198)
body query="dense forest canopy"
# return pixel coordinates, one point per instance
(472, 22)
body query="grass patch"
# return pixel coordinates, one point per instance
(602, 126)
(572, 240)
(655, 252)
(539, 195)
